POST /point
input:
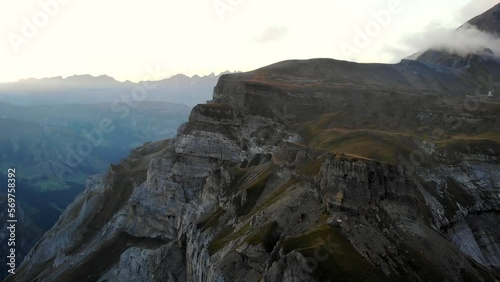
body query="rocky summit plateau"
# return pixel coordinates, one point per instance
(304, 170)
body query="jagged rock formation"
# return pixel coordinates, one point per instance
(315, 170)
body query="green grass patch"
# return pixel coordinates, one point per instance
(470, 144)
(316, 127)
(211, 220)
(226, 235)
(331, 254)
(310, 167)
(334, 132)
(273, 198)
(266, 235)
(254, 189)
(239, 176)
(373, 144)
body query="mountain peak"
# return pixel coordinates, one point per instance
(485, 26)
(90, 78)
(488, 21)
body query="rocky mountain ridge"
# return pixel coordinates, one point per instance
(313, 170)
(238, 192)
(88, 89)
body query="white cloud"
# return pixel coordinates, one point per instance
(272, 33)
(463, 41)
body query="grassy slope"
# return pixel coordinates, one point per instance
(335, 132)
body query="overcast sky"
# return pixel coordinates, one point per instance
(122, 38)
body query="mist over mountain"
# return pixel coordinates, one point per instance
(454, 48)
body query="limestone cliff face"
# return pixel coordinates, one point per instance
(241, 194)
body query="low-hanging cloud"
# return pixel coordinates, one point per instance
(463, 41)
(272, 33)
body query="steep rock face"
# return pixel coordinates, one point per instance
(145, 200)
(467, 205)
(239, 196)
(295, 91)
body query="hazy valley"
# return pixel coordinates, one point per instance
(56, 146)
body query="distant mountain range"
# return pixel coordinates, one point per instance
(81, 89)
